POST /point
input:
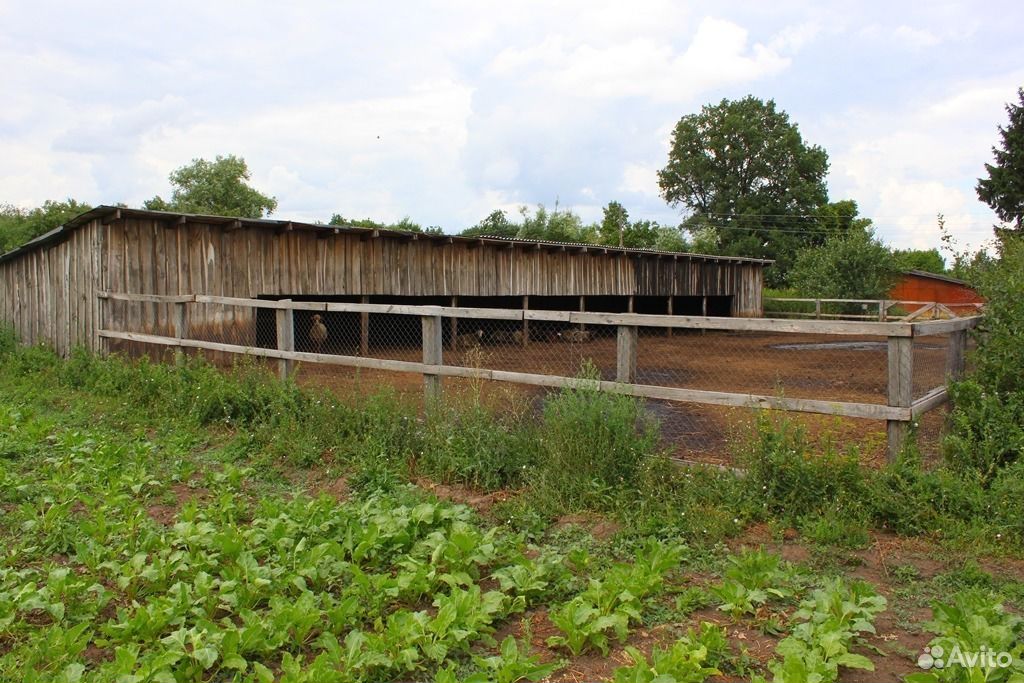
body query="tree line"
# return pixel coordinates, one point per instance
(744, 179)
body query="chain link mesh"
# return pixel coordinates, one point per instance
(791, 365)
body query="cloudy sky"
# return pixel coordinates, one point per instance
(444, 111)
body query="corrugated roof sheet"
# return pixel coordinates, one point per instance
(106, 212)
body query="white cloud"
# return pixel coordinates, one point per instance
(915, 37)
(640, 179)
(908, 164)
(718, 55)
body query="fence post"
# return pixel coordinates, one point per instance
(526, 322)
(901, 390)
(955, 354)
(285, 340)
(625, 366)
(180, 332)
(881, 310)
(433, 354)
(817, 309)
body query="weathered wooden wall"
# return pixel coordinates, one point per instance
(49, 294)
(147, 256)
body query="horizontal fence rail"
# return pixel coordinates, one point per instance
(880, 309)
(898, 410)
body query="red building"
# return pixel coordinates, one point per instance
(919, 285)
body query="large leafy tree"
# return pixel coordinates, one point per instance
(742, 167)
(1003, 188)
(18, 226)
(218, 187)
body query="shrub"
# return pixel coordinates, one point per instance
(791, 481)
(1006, 498)
(910, 500)
(987, 422)
(593, 442)
(468, 443)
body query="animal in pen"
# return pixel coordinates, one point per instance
(508, 337)
(576, 336)
(470, 340)
(318, 334)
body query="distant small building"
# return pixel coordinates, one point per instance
(920, 285)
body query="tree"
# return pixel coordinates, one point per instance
(1003, 189)
(216, 187)
(743, 168)
(614, 225)
(928, 260)
(855, 265)
(496, 224)
(18, 226)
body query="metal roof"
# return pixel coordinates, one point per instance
(110, 213)
(936, 276)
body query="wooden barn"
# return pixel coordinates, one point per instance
(920, 285)
(50, 287)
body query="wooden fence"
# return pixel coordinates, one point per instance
(880, 309)
(899, 411)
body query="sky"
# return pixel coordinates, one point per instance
(443, 111)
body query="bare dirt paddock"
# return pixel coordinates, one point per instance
(825, 367)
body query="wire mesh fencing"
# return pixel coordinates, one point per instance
(698, 383)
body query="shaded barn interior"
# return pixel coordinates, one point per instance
(49, 287)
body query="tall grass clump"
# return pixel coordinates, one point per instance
(788, 478)
(592, 443)
(472, 443)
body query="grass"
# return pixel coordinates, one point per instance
(169, 524)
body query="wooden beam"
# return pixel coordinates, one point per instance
(233, 225)
(175, 222)
(625, 354)
(900, 390)
(955, 354)
(945, 326)
(285, 342)
(112, 217)
(933, 399)
(432, 355)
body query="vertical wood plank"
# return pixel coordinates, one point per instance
(901, 389)
(955, 354)
(432, 355)
(285, 340)
(625, 357)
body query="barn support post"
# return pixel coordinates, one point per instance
(455, 326)
(881, 310)
(955, 354)
(180, 332)
(583, 309)
(526, 323)
(432, 355)
(285, 340)
(364, 329)
(668, 330)
(625, 366)
(901, 390)
(631, 304)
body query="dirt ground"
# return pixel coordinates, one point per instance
(824, 367)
